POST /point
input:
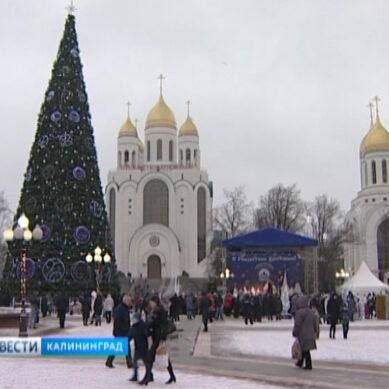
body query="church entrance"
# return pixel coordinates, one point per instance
(154, 267)
(383, 249)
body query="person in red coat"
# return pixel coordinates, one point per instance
(228, 304)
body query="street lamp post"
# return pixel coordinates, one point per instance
(225, 275)
(98, 258)
(22, 233)
(342, 275)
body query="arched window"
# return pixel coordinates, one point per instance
(181, 157)
(171, 151)
(112, 213)
(383, 248)
(384, 171)
(187, 155)
(133, 159)
(156, 203)
(373, 173)
(148, 151)
(201, 224)
(126, 156)
(159, 150)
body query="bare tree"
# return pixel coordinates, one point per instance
(326, 221)
(234, 215)
(324, 217)
(280, 208)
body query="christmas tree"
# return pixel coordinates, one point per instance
(62, 189)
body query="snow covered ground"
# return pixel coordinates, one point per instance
(367, 341)
(92, 374)
(74, 373)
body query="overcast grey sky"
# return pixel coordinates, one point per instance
(278, 88)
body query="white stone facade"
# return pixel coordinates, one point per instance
(369, 211)
(160, 204)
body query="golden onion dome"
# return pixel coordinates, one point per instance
(377, 139)
(160, 116)
(127, 129)
(188, 128)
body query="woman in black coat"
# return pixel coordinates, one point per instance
(121, 327)
(305, 331)
(85, 308)
(333, 312)
(98, 308)
(157, 325)
(247, 309)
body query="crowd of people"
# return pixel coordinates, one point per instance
(128, 322)
(147, 320)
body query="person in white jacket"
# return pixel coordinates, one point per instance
(108, 307)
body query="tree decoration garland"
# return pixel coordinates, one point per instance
(62, 188)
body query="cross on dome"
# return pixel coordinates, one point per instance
(128, 108)
(161, 77)
(376, 99)
(188, 103)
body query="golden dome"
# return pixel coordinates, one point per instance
(127, 129)
(377, 139)
(188, 128)
(160, 116)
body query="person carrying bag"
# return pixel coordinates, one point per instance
(305, 331)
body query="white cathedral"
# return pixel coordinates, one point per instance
(160, 199)
(369, 213)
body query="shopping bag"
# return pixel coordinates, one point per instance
(161, 349)
(161, 356)
(296, 349)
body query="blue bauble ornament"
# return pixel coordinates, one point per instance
(46, 232)
(79, 173)
(74, 116)
(55, 116)
(81, 234)
(95, 208)
(65, 139)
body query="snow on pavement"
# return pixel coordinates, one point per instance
(73, 373)
(45, 373)
(367, 341)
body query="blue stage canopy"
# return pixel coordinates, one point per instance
(268, 237)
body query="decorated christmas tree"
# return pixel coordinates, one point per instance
(62, 190)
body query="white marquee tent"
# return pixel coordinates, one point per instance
(363, 282)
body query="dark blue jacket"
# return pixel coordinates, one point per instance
(121, 320)
(62, 303)
(138, 332)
